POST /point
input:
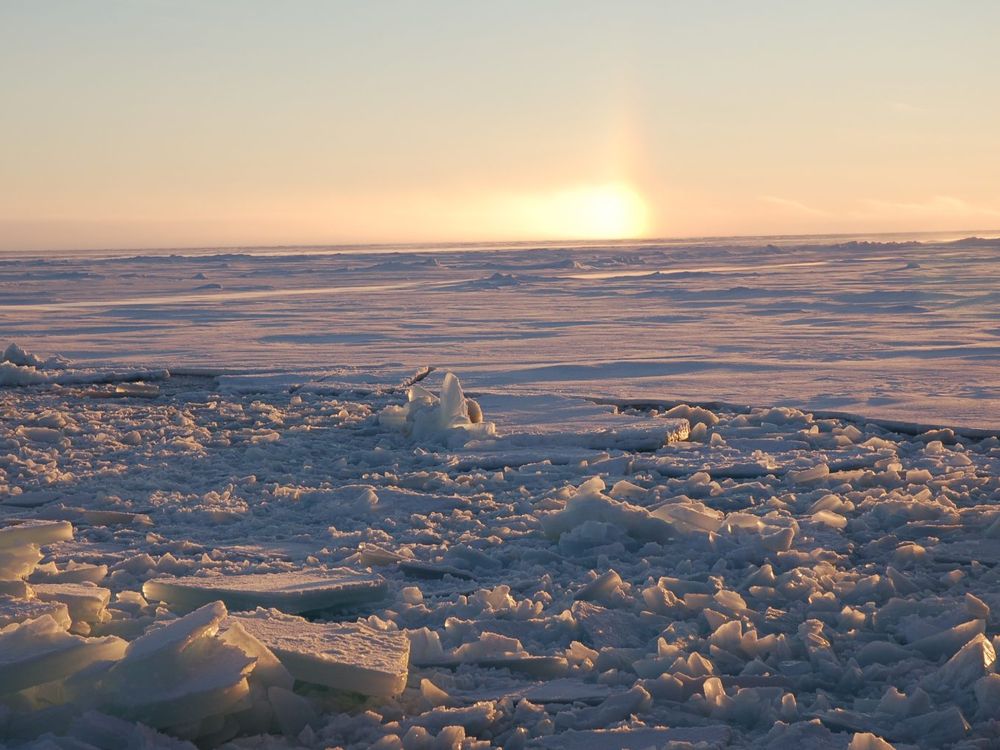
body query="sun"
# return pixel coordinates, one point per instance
(607, 211)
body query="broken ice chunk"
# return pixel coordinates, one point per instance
(138, 389)
(268, 674)
(40, 650)
(86, 603)
(690, 517)
(868, 741)
(13, 610)
(345, 656)
(560, 690)
(115, 517)
(495, 651)
(629, 738)
(589, 503)
(947, 642)
(18, 562)
(17, 588)
(72, 573)
(450, 417)
(35, 532)
(179, 674)
(974, 660)
(293, 592)
(268, 670)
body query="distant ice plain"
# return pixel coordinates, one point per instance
(907, 331)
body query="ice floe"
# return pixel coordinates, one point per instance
(293, 592)
(346, 656)
(760, 578)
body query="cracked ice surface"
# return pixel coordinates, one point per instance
(760, 578)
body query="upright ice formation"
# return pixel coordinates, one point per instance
(447, 418)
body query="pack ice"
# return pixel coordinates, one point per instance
(697, 576)
(298, 591)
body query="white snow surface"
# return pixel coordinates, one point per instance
(566, 554)
(898, 330)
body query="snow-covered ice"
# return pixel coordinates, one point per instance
(309, 590)
(347, 656)
(895, 330)
(564, 550)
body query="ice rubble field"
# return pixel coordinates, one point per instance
(374, 562)
(244, 503)
(902, 331)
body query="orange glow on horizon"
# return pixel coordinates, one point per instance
(590, 212)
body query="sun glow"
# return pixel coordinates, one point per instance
(608, 211)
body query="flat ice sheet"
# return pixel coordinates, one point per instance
(300, 591)
(878, 329)
(343, 655)
(33, 531)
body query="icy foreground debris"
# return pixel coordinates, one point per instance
(85, 603)
(35, 532)
(492, 650)
(20, 367)
(590, 504)
(345, 656)
(196, 674)
(699, 584)
(632, 739)
(40, 651)
(293, 592)
(15, 609)
(447, 418)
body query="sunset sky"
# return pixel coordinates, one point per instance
(148, 123)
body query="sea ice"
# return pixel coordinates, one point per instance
(449, 417)
(590, 504)
(197, 675)
(18, 609)
(35, 532)
(294, 592)
(39, 651)
(86, 603)
(635, 738)
(345, 656)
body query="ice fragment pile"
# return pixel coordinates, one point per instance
(697, 577)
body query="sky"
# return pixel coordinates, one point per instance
(193, 123)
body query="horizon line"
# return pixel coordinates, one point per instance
(348, 248)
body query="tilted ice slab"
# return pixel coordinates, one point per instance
(20, 542)
(179, 674)
(35, 532)
(293, 592)
(18, 562)
(345, 656)
(40, 651)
